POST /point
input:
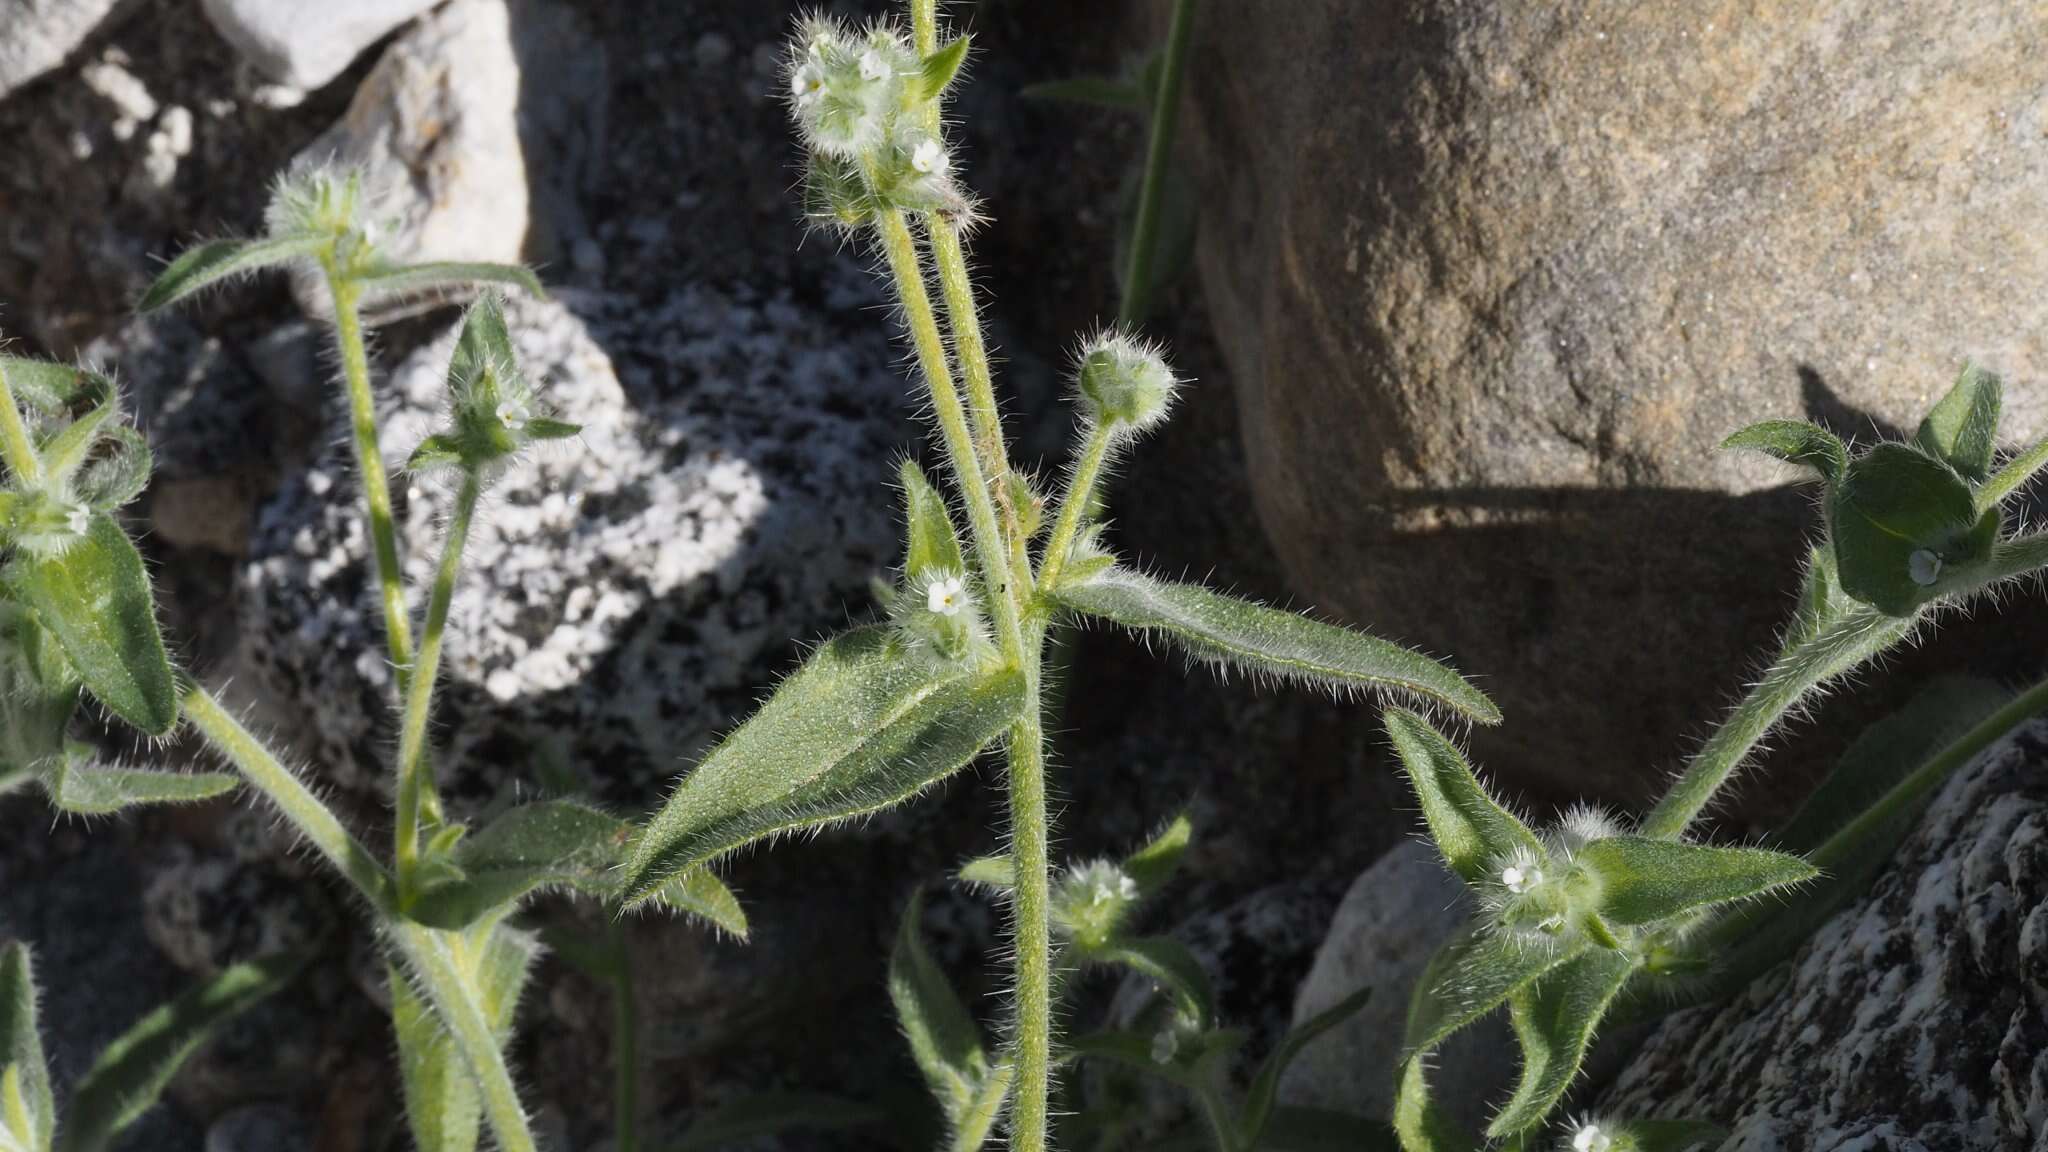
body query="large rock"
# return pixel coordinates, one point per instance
(306, 43)
(1493, 280)
(41, 34)
(1915, 1018)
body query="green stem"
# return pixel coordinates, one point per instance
(1136, 303)
(900, 248)
(1074, 505)
(459, 1005)
(963, 321)
(1851, 637)
(1218, 1117)
(1032, 912)
(17, 451)
(301, 809)
(924, 27)
(625, 1043)
(419, 694)
(1929, 776)
(2017, 472)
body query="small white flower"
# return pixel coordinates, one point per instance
(930, 158)
(946, 595)
(807, 84)
(873, 67)
(513, 414)
(1165, 1044)
(1519, 878)
(1589, 1138)
(1924, 567)
(78, 519)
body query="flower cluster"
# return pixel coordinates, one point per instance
(1091, 902)
(1542, 893)
(492, 410)
(85, 464)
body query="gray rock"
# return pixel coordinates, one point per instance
(1494, 280)
(1915, 1018)
(41, 34)
(1393, 919)
(260, 1128)
(306, 43)
(626, 594)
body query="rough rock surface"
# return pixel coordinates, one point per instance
(624, 594)
(1392, 920)
(1493, 280)
(40, 34)
(1915, 1018)
(306, 43)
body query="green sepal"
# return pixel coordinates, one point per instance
(1170, 965)
(132, 1072)
(68, 446)
(932, 544)
(76, 785)
(1962, 428)
(1266, 641)
(860, 727)
(216, 260)
(28, 1111)
(95, 599)
(1554, 1019)
(437, 451)
(1894, 504)
(997, 872)
(1153, 865)
(445, 276)
(1795, 442)
(1265, 1089)
(770, 1113)
(1469, 828)
(944, 1040)
(1643, 881)
(941, 67)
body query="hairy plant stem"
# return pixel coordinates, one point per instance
(963, 321)
(625, 1042)
(2016, 472)
(419, 693)
(301, 809)
(1136, 302)
(1845, 639)
(17, 450)
(1074, 505)
(432, 959)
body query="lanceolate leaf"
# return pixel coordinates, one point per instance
(943, 1038)
(1169, 963)
(1470, 976)
(700, 894)
(133, 1071)
(1795, 442)
(1258, 1104)
(95, 599)
(1266, 641)
(1421, 1125)
(1963, 427)
(861, 726)
(1899, 520)
(1554, 1019)
(551, 843)
(443, 277)
(933, 544)
(972, 1130)
(441, 1107)
(997, 872)
(469, 985)
(27, 1111)
(942, 66)
(1644, 880)
(77, 785)
(217, 260)
(1469, 828)
(115, 476)
(1153, 865)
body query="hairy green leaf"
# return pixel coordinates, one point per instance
(1470, 829)
(27, 1110)
(133, 1071)
(117, 475)
(1153, 865)
(1962, 428)
(454, 1002)
(998, 872)
(1097, 91)
(943, 1037)
(50, 388)
(770, 1113)
(942, 66)
(1898, 520)
(1266, 641)
(446, 276)
(933, 543)
(1554, 1019)
(1644, 880)
(861, 726)
(437, 451)
(95, 599)
(974, 1126)
(77, 785)
(65, 450)
(1418, 1122)
(1795, 442)
(213, 261)
(1470, 976)
(441, 1107)
(701, 895)
(1169, 964)
(1258, 1103)
(546, 844)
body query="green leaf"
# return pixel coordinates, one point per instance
(701, 895)
(1963, 427)
(441, 1107)
(1795, 442)
(1096, 91)
(1418, 1122)
(133, 1071)
(546, 844)
(49, 388)
(1169, 963)
(446, 276)
(1258, 1103)
(474, 978)
(1554, 1019)
(1153, 865)
(933, 544)
(972, 1130)
(77, 785)
(998, 872)
(95, 599)
(1470, 976)
(1266, 641)
(546, 428)
(942, 66)
(1644, 880)
(1292, 1129)
(1820, 592)
(118, 475)
(944, 1039)
(216, 260)
(1470, 829)
(860, 727)
(27, 1111)
(65, 450)
(770, 1113)
(1898, 520)
(437, 451)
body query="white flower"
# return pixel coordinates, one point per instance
(1589, 1138)
(873, 67)
(1519, 878)
(930, 158)
(513, 414)
(1924, 567)
(78, 519)
(807, 84)
(945, 595)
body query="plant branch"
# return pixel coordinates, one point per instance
(2014, 475)
(419, 694)
(1137, 301)
(1074, 505)
(1031, 911)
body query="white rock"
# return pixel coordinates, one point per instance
(37, 35)
(306, 43)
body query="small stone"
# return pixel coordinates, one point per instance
(40, 35)
(306, 43)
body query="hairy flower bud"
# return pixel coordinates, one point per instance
(846, 89)
(1125, 382)
(1091, 902)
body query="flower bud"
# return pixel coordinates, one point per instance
(1091, 902)
(1125, 381)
